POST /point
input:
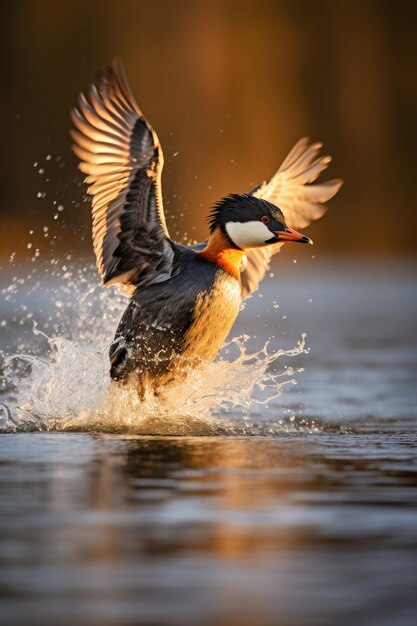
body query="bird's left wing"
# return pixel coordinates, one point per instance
(291, 190)
(121, 155)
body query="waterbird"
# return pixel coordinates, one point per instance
(183, 299)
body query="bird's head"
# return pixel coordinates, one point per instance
(250, 222)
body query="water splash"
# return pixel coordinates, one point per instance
(69, 390)
(56, 372)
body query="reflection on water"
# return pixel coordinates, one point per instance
(307, 529)
(301, 512)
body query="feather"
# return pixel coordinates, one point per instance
(291, 190)
(122, 158)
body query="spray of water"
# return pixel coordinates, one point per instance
(59, 380)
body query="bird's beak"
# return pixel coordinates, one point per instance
(289, 234)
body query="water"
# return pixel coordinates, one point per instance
(254, 501)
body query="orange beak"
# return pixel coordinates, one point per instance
(289, 234)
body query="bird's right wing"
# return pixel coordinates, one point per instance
(121, 155)
(291, 190)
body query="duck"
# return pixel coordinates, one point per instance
(184, 299)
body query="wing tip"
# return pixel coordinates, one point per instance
(117, 72)
(337, 183)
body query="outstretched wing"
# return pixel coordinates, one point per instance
(121, 155)
(301, 202)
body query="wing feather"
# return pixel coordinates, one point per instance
(301, 202)
(122, 158)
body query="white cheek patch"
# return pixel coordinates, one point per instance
(248, 234)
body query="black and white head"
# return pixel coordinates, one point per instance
(250, 222)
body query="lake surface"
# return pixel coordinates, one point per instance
(297, 510)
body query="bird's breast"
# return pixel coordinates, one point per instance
(214, 314)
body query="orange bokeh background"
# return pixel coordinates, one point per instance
(229, 87)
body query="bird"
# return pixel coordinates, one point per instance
(183, 299)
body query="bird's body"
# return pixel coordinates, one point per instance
(184, 299)
(170, 326)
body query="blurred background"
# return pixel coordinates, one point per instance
(229, 86)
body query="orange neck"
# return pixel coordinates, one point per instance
(220, 251)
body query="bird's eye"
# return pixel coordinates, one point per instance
(265, 219)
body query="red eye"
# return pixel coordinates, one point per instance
(265, 219)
